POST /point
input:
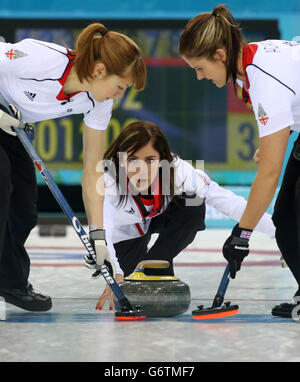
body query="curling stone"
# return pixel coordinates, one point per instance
(159, 296)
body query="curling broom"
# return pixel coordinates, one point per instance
(217, 310)
(127, 312)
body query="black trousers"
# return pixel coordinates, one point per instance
(177, 228)
(18, 210)
(286, 216)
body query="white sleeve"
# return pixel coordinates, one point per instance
(271, 101)
(111, 248)
(16, 58)
(233, 206)
(99, 116)
(188, 180)
(33, 59)
(109, 216)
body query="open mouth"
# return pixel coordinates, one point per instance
(143, 181)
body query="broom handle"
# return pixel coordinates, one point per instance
(219, 297)
(67, 210)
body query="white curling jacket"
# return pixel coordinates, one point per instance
(126, 222)
(32, 78)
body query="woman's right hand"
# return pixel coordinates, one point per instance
(108, 294)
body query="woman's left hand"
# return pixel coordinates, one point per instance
(108, 294)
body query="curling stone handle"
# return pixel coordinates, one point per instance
(219, 298)
(151, 264)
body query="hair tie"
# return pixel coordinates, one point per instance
(104, 33)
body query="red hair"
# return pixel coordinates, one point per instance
(120, 55)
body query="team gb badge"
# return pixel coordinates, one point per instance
(262, 115)
(14, 54)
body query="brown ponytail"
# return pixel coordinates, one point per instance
(120, 55)
(207, 32)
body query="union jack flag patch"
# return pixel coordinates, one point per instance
(262, 115)
(245, 234)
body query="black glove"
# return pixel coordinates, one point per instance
(236, 248)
